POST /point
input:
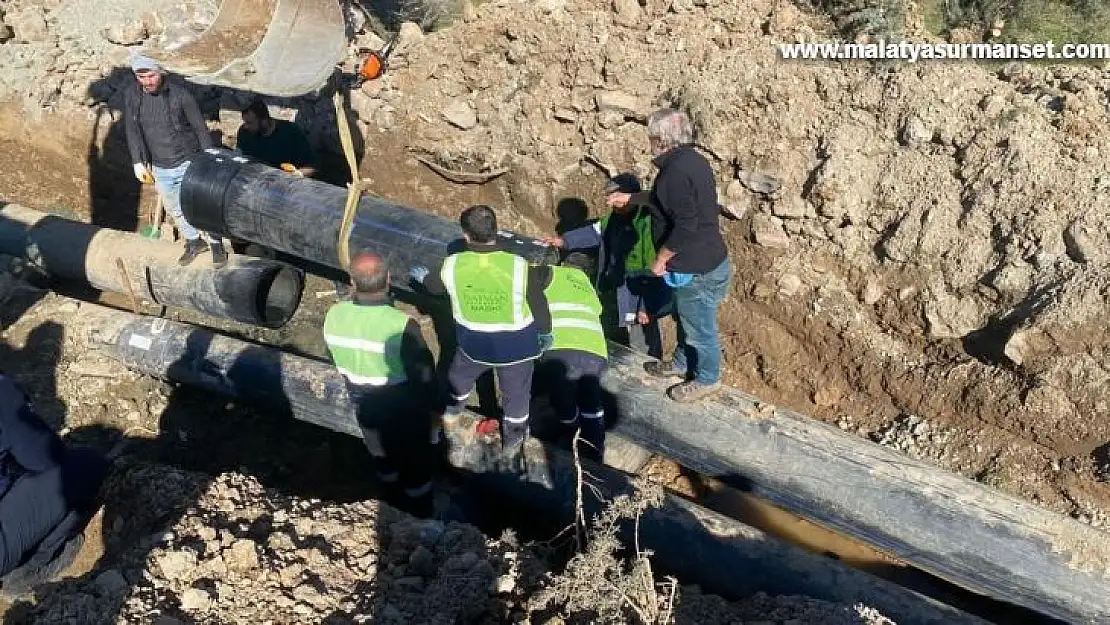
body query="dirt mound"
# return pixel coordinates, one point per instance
(245, 554)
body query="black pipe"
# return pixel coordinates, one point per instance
(249, 290)
(239, 198)
(723, 555)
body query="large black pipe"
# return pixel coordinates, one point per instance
(721, 554)
(249, 290)
(239, 198)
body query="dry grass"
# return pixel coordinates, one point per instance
(599, 586)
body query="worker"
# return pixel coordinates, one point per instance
(390, 374)
(578, 352)
(501, 318)
(48, 493)
(275, 142)
(165, 131)
(625, 239)
(693, 258)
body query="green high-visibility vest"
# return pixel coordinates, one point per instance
(488, 290)
(575, 312)
(642, 255)
(365, 343)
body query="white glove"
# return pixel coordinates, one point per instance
(418, 273)
(143, 174)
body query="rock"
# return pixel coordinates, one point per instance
(430, 532)
(461, 114)
(564, 114)
(6, 32)
(177, 564)
(767, 231)
(916, 132)
(241, 556)
(628, 12)
(827, 396)
(626, 105)
(1086, 240)
(128, 33)
(111, 583)
(195, 600)
(759, 183)
(30, 25)
(422, 562)
(504, 584)
(951, 317)
(469, 13)
(872, 292)
(408, 37)
(792, 207)
(167, 620)
(789, 285)
(551, 6)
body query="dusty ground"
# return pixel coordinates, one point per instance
(930, 275)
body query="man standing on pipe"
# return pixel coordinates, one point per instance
(693, 259)
(390, 374)
(579, 353)
(47, 495)
(501, 318)
(165, 131)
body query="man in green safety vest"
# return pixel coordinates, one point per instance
(390, 373)
(625, 240)
(501, 320)
(579, 354)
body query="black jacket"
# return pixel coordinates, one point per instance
(170, 132)
(27, 444)
(684, 199)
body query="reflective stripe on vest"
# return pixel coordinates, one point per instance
(575, 312)
(365, 343)
(488, 291)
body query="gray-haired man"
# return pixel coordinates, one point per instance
(693, 258)
(165, 130)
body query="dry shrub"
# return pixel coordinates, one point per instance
(597, 585)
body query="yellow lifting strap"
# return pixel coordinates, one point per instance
(355, 188)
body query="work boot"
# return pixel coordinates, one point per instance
(193, 248)
(219, 255)
(663, 369)
(692, 391)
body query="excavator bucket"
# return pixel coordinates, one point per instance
(281, 48)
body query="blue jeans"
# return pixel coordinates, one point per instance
(698, 353)
(168, 183)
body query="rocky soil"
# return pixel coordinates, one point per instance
(921, 256)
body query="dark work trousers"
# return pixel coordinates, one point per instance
(515, 383)
(576, 397)
(399, 431)
(42, 512)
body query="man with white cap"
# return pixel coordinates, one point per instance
(165, 130)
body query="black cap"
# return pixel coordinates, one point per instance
(624, 183)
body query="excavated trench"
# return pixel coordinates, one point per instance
(274, 450)
(256, 436)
